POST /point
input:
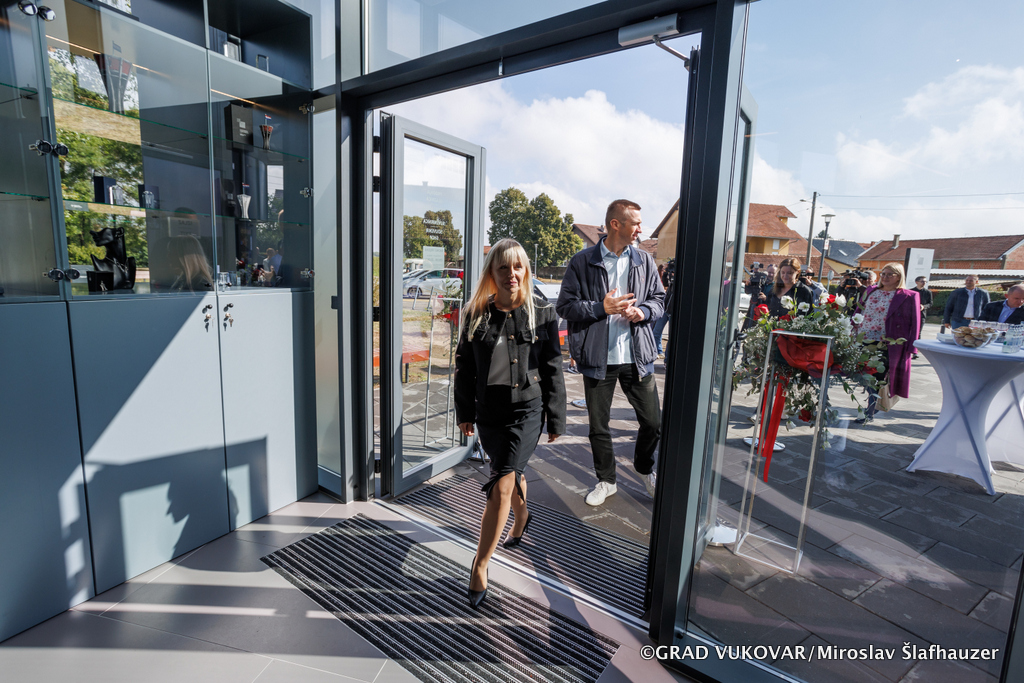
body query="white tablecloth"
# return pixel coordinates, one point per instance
(982, 416)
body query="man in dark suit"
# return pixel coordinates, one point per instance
(965, 304)
(1010, 310)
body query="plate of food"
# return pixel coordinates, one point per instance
(946, 338)
(974, 337)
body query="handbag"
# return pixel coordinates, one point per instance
(886, 400)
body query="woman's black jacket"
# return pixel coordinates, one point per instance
(535, 358)
(800, 292)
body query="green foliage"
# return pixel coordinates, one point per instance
(435, 228)
(88, 156)
(536, 224)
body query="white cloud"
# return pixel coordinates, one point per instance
(582, 151)
(970, 120)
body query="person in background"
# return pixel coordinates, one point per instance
(891, 311)
(787, 283)
(659, 326)
(194, 272)
(925, 295)
(508, 381)
(816, 287)
(758, 279)
(1010, 310)
(611, 297)
(965, 304)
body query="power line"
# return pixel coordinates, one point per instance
(920, 196)
(963, 208)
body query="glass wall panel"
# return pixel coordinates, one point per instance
(26, 229)
(262, 177)
(891, 549)
(131, 104)
(400, 30)
(434, 219)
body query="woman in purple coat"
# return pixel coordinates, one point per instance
(891, 311)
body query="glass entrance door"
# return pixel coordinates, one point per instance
(431, 228)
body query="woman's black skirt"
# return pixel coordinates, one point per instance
(508, 432)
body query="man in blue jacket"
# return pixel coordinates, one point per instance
(611, 297)
(965, 304)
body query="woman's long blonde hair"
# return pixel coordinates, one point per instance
(505, 252)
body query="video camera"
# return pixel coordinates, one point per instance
(854, 278)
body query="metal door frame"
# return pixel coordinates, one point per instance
(394, 131)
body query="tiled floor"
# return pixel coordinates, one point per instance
(218, 614)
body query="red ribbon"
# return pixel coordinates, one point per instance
(771, 431)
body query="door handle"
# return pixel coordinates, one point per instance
(55, 274)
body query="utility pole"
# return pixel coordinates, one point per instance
(810, 231)
(535, 265)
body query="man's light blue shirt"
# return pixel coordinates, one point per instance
(1006, 312)
(620, 335)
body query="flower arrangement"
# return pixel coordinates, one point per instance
(854, 362)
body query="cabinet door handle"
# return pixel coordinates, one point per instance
(55, 274)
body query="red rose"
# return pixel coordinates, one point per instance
(785, 317)
(831, 298)
(759, 311)
(870, 370)
(806, 415)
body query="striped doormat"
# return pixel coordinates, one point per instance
(410, 602)
(585, 557)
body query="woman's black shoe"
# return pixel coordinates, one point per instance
(514, 541)
(476, 598)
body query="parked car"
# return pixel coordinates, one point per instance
(546, 291)
(442, 281)
(414, 275)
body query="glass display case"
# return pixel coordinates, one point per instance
(27, 248)
(185, 168)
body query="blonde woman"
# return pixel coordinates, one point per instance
(890, 310)
(508, 381)
(186, 252)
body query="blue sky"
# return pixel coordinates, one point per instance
(861, 98)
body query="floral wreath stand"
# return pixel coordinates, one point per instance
(773, 386)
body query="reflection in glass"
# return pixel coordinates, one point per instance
(26, 230)
(134, 117)
(400, 30)
(434, 231)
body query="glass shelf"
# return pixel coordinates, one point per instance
(10, 93)
(261, 220)
(268, 155)
(98, 114)
(18, 196)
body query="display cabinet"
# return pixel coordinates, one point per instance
(27, 247)
(185, 168)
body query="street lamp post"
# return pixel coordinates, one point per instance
(824, 246)
(810, 230)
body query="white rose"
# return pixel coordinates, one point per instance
(823, 298)
(858, 319)
(787, 301)
(841, 300)
(804, 307)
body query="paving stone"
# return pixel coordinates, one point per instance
(939, 510)
(902, 479)
(995, 610)
(1011, 535)
(915, 572)
(842, 577)
(734, 617)
(856, 500)
(784, 513)
(738, 572)
(961, 538)
(835, 620)
(880, 530)
(938, 670)
(976, 569)
(933, 621)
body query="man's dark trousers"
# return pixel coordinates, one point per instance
(643, 396)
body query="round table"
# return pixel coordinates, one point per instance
(982, 416)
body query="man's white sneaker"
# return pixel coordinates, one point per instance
(600, 492)
(649, 482)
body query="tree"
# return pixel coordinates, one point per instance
(536, 224)
(820, 235)
(435, 228)
(508, 212)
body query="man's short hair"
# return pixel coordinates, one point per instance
(920, 278)
(617, 209)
